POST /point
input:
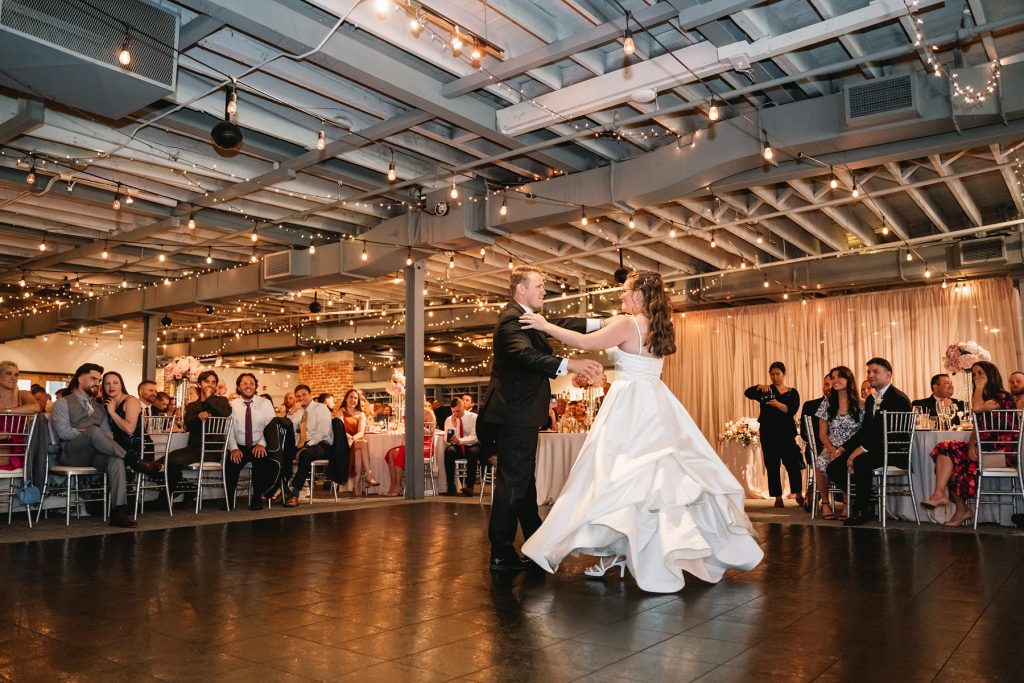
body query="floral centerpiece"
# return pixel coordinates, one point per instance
(746, 431)
(963, 355)
(183, 368)
(396, 389)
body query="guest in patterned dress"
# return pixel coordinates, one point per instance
(956, 462)
(841, 416)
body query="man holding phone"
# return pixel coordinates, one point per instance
(461, 443)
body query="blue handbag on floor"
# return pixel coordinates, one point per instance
(30, 495)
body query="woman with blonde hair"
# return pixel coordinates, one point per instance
(13, 401)
(647, 492)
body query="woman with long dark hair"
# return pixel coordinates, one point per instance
(779, 406)
(352, 415)
(841, 416)
(956, 462)
(647, 492)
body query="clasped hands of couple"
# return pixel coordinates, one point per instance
(589, 372)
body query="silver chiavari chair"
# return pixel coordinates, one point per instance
(15, 438)
(816, 495)
(210, 467)
(156, 443)
(893, 480)
(1003, 429)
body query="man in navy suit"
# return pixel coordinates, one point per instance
(514, 409)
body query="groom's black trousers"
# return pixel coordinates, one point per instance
(515, 488)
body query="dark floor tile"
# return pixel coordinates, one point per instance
(647, 667)
(686, 646)
(326, 664)
(623, 637)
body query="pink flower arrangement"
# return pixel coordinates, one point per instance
(396, 387)
(183, 368)
(746, 431)
(963, 355)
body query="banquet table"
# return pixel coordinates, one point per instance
(556, 454)
(379, 444)
(923, 475)
(747, 465)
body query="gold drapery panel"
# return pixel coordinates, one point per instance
(723, 351)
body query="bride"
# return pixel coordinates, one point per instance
(647, 492)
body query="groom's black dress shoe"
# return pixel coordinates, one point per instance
(1018, 520)
(502, 564)
(858, 517)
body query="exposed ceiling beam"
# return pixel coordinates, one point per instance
(923, 201)
(957, 187)
(24, 119)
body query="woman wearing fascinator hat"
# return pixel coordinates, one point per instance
(647, 492)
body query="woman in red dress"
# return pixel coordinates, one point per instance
(956, 462)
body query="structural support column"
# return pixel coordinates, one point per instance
(1019, 303)
(150, 326)
(414, 330)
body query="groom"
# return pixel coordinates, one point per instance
(515, 407)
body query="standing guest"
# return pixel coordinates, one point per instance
(17, 402)
(210, 404)
(839, 418)
(461, 443)
(246, 443)
(865, 390)
(956, 462)
(862, 453)
(162, 403)
(42, 398)
(811, 408)
(314, 437)
(942, 395)
(355, 427)
(779, 405)
(124, 413)
(147, 397)
(395, 457)
(1016, 382)
(552, 425)
(81, 424)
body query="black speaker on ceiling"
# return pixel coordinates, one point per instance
(227, 137)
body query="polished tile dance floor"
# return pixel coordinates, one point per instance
(402, 593)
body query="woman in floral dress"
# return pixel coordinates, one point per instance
(956, 462)
(841, 416)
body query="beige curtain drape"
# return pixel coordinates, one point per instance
(722, 352)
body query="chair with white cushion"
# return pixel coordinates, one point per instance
(15, 438)
(1004, 429)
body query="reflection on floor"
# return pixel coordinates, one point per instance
(401, 592)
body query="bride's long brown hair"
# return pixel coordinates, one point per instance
(661, 337)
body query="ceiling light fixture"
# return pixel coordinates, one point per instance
(124, 55)
(209, 255)
(454, 194)
(365, 256)
(392, 173)
(583, 215)
(408, 259)
(503, 211)
(713, 112)
(30, 177)
(312, 247)
(231, 106)
(321, 138)
(834, 182)
(191, 221)
(116, 204)
(713, 243)
(632, 222)
(766, 149)
(628, 44)
(42, 243)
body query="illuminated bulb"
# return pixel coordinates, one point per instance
(785, 296)
(116, 204)
(128, 199)
(927, 272)
(321, 140)
(31, 177)
(476, 55)
(192, 222)
(124, 55)
(232, 107)
(455, 192)
(629, 45)
(885, 229)
(209, 257)
(253, 259)
(161, 258)
(415, 26)
(672, 232)
(254, 237)
(124, 284)
(713, 243)
(713, 113)
(392, 174)
(364, 255)
(408, 260)
(21, 282)
(504, 207)
(632, 223)
(743, 264)
(105, 254)
(451, 262)
(456, 40)
(766, 281)
(910, 257)
(856, 192)
(42, 245)
(834, 183)
(483, 251)
(312, 248)
(583, 216)
(383, 8)
(510, 266)
(767, 153)
(760, 239)
(944, 285)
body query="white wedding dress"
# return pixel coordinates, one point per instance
(649, 486)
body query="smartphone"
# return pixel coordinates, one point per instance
(451, 434)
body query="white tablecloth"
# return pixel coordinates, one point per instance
(747, 465)
(380, 444)
(556, 454)
(923, 474)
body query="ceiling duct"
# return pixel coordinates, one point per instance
(882, 100)
(286, 264)
(68, 53)
(985, 250)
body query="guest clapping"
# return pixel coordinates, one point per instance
(779, 405)
(956, 462)
(841, 417)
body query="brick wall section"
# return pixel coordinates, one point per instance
(332, 372)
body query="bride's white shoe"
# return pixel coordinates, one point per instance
(600, 569)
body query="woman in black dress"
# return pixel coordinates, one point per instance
(779, 405)
(124, 413)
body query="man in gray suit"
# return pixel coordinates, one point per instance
(80, 422)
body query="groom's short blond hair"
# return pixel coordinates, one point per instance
(520, 274)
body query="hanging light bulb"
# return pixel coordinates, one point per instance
(105, 254)
(21, 282)
(628, 44)
(124, 283)
(483, 251)
(834, 182)
(510, 264)
(116, 204)
(392, 173)
(583, 215)
(885, 229)
(312, 248)
(632, 222)
(766, 149)
(161, 257)
(785, 296)
(70, 187)
(743, 264)
(713, 112)
(760, 239)
(944, 285)
(765, 282)
(475, 56)
(713, 243)
(927, 272)
(856, 190)
(455, 191)
(383, 8)
(253, 236)
(232, 105)
(365, 256)
(128, 198)
(42, 244)
(451, 262)
(209, 256)
(253, 258)
(504, 207)
(408, 259)
(456, 40)
(910, 256)
(192, 221)
(124, 55)
(30, 178)
(321, 139)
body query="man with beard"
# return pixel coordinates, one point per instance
(246, 443)
(1016, 382)
(81, 424)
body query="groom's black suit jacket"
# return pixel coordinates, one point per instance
(870, 435)
(523, 364)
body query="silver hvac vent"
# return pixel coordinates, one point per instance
(286, 264)
(987, 250)
(67, 52)
(881, 100)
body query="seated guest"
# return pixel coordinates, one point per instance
(378, 408)
(811, 408)
(18, 402)
(461, 443)
(247, 443)
(367, 407)
(467, 403)
(81, 424)
(395, 457)
(942, 395)
(442, 414)
(210, 404)
(291, 406)
(1016, 382)
(314, 437)
(839, 418)
(552, 425)
(162, 403)
(124, 413)
(862, 453)
(352, 415)
(42, 398)
(384, 415)
(865, 390)
(567, 423)
(956, 462)
(147, 397)
(327, 398)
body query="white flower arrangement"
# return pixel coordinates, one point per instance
(183, 368)
(396, 386)
(745, 430)
(963, 355)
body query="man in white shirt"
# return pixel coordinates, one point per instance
(313, 438)
(461, 443)
(246, 444)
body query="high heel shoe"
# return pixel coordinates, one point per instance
(370, 479)
(600, 569)
(966, 521)
(933, 503)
